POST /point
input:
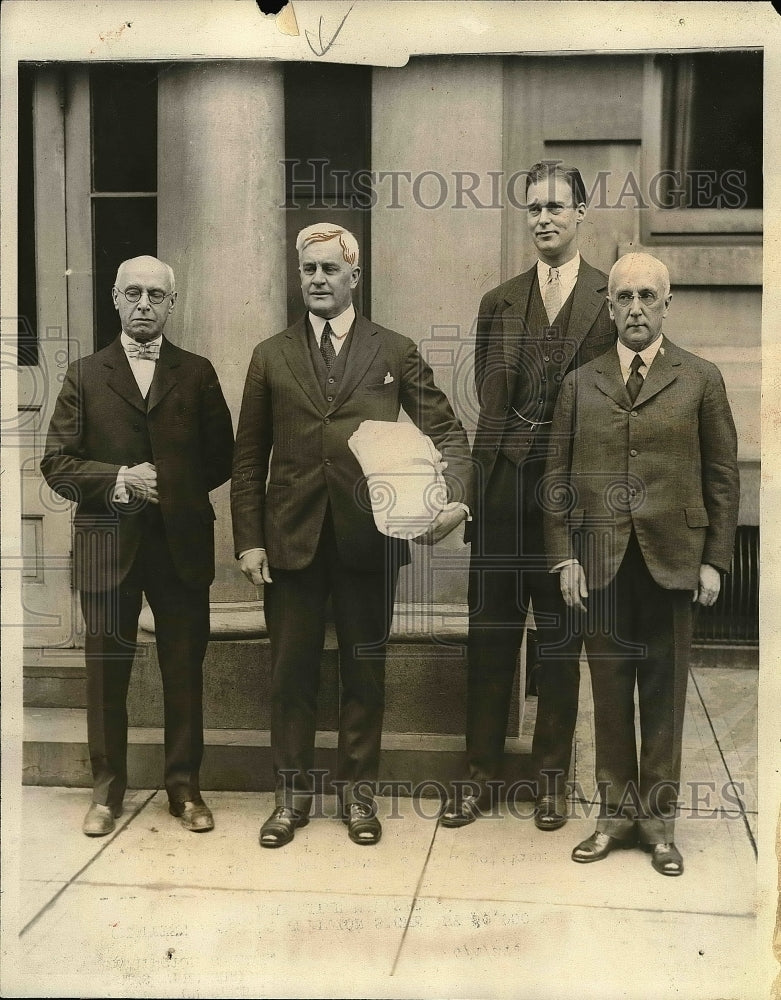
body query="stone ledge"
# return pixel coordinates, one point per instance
(411, 622)
(55, 753)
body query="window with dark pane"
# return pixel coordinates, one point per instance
(124, 127)
(327, 143)
(712, 130)
(27, 298)
(123, 100)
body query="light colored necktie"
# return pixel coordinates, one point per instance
(635, 381)
(326, 347)
(143, 352)
(551, 294)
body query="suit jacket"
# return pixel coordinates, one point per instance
(665, 466)
(501, 325)
(284, 409)
(100, 423)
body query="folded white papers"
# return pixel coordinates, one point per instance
(403, 472)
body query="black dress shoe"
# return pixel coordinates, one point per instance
(666, 859)
(363, 827)
(194, 816)
(99, 820)
(279, 829)
(550, 813)
(598, 846)
(462, 810)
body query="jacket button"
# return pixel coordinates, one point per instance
(546, 358)
(548, 336)
(633, 452)
(330, 399)
(634, 413)
(327, 420)
(327, 461)
(136, 427)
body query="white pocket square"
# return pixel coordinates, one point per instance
(388, 379)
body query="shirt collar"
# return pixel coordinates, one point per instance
(339, 324)
(129, 340)
(567, 272)
(625, 354)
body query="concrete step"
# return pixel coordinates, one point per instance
(55, 753)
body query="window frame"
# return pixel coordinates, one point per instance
(740, 224)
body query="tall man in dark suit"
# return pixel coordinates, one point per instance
(139, 436)
(531, 330)
(308, 532)
(642, 488)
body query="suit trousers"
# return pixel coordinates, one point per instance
(295, 605)
(181, 634)
(508, 569)
(638, 635)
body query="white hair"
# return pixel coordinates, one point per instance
(147, 258)
(321, 232)
(633, 260)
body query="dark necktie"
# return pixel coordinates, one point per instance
(635, 381)
(327, 347)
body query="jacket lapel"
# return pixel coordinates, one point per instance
(610, 380)
(165, 374)
(514, 323)
(588, 299)
(119, 376)
(296, 352)
(363, 350)
(664, 370)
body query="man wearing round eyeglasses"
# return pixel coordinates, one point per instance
(531, 330)
(140, 434)
(643, 481)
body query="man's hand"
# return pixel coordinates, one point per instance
(572, 580)
(446, 520)
(254, 565)
(141, 481)
(710, 585)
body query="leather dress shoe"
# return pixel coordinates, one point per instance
(462, 810)
(363, 827)
(550, 813)
(100, 819)
(666, 859)
(279, 829)
(598, 846)
(195, 816)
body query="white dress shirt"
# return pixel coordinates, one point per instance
(340, 326)
(143, 372)
(568, 275)
(626, 354)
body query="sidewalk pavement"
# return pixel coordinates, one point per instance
(495, 909)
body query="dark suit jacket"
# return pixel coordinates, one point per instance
(311, 465)
(98, 426)
(501, 324)
(665, 466)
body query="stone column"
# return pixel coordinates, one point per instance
(221, 226)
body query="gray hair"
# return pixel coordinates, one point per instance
(147, 258)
